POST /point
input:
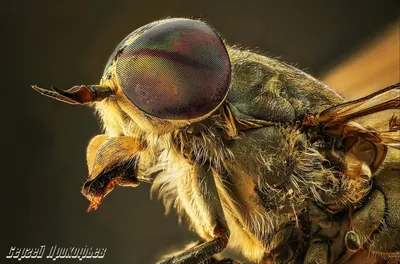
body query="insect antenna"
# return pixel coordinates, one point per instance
(79, 94)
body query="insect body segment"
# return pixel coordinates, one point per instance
(259, 156)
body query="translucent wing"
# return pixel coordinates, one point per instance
(338, 115)
(368, 125)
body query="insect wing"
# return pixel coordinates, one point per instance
(387, 98)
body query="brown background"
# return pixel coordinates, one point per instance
(68, 42)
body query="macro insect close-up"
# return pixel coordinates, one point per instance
(258, 156)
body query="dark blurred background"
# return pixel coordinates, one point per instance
(65, 43)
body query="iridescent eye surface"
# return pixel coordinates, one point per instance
(177, 69)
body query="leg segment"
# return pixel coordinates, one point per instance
(375, 227)
(386, 242)
(228, 261)
(211, 217)
(317, 253)
(283, 246)
(361, 226)
(199, 253)
(212, 260)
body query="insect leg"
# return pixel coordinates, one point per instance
(283, 246)
(228, 261)
(111, 161)
(317, 252)
(212, 260)
(205, 194)
(199, 253)
(364, 222)
(385, 242)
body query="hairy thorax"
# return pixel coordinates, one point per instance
(265, 177)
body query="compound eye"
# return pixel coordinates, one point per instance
(178, 69)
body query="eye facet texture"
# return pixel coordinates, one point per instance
(178, 69)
